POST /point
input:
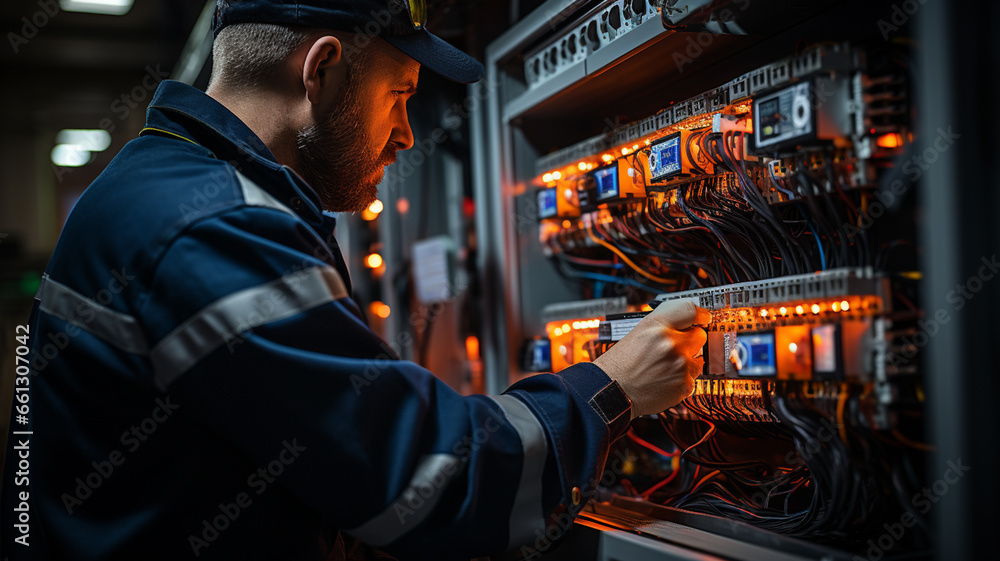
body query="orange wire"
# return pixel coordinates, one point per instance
(628, 261)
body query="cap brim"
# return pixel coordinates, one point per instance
(438, 56)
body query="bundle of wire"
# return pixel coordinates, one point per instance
(839, 481)
(742, 223)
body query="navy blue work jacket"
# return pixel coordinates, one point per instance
(204, 387)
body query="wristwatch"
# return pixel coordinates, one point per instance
(614, 406)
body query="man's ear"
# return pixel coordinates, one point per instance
(324, 69)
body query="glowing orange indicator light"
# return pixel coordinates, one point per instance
(799, 310)
(567, 224)
(373, 210)
(763, 313)
(836, 306)
(891, 140)
(845, 305)
(380, 309)
(647, 308)
(472, 347)
(783, 310)
(373, 261)
(815, 308)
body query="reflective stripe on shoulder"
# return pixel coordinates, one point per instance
(255, 195)
(116, 328)
(414, 505)
(223, 320)
(527, 515)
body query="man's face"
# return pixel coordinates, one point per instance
(344, 154)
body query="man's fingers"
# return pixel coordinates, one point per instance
(679, 314)
(696, 368)
(691, 341)
(704, 317)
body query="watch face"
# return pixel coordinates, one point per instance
(614, 406)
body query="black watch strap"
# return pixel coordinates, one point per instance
(614, 406)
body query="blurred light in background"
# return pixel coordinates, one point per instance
(74, 146)
(97, 140)
(373, 261)
(380, 309)
(106, 7)
(70, 156)
(373, 210)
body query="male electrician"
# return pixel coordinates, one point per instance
(204, 386)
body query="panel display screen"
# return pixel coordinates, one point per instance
(665, 158)
(547, 207)
(826, 354)
(607, 182)
(755, 354)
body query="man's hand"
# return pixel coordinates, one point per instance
(655, 363)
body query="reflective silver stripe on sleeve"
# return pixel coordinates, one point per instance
(527, 515)
(414, 505)
(254, 195)
(224, 319)
(115, 328)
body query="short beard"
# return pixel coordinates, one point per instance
(334, 156)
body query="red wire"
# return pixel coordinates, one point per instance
(671, 477)
(651, 446)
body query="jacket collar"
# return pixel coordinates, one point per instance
(183, 111)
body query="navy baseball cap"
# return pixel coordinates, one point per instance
(399, 22)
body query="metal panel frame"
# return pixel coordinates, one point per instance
(957, 79)
(495, 174)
